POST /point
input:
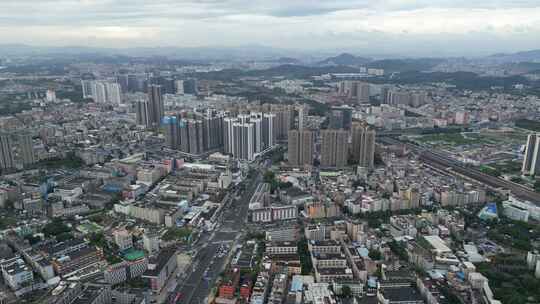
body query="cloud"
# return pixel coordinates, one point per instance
(411, 27)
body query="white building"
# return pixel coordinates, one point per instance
(151, 242)
(50, 96)
(16, 273)
(123, 239)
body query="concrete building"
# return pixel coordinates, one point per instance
(155, 106)
(151, 242)
(356, 90)
(301, 147)
(334, 148)
(16, 273)
(26, 149)
(160, 269)
(531, 161)
(363, 145)
(6, 154)
(123, 239)
(141, 111)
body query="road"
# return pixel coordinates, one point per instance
(207, 265)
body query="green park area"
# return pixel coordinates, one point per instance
(454, 139)
(89, 227)
(510, 279)
(528, 124)
(177, 234)
(491, 137)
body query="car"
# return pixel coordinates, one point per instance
(176, 298)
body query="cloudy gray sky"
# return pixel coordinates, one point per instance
(407, 27)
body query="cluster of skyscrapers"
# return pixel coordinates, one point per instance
(169, 85)
(247, 135)
(102, 91)
(194, 133)
(402, 97)
(243, 135)
(150, 112)
(354, 90)
(338, 146)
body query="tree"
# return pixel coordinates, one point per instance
(374, 254)
(346, 291)
(55, 228)
(62, 237)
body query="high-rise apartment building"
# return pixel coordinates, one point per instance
(50, 96)
(283, 122)
(26, 149)
(87, 88)
(193, 135)
(269, 130)
(396, 97)
(190, 86)
(247, 135)
(228, 135)
(114, 93)
(531, 161)
(363, 144)
(155, 106)
(301, 117)
(300, 147)
(212, 131)
(179, 85)
(334, 148)
(355, 90)
(172, 132)
(102, 91)
(123, 81)
(244, 140)
(6, 154)
(142, 111)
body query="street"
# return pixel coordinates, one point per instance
(207, 265)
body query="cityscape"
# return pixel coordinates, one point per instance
(284, 167)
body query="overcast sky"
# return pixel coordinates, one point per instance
(406, 27)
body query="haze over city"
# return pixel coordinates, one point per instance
(397, 27)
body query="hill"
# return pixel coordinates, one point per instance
(345, 59)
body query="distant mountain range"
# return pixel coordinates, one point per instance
(313, 58)
(525, 56)
(241, 53)
(345, 59)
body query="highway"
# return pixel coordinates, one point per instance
(444, 162)
(207, 265)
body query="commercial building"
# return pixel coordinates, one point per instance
(161, 268)
(278, 248)
(123, 271)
